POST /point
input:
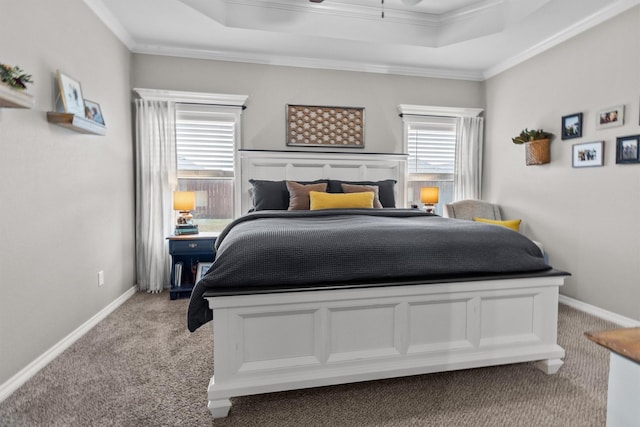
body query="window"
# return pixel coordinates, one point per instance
(431, 145)
(206, 138)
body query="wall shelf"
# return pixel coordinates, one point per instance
(76, 123)
(12, 98)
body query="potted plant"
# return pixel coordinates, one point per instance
(537, 145)
(14, 77)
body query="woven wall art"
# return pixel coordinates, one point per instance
(325, 126)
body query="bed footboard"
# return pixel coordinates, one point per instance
(283, 341)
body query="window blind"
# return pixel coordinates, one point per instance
(204, 141)
(432, 145)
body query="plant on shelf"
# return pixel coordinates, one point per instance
(14, 77)
(531, 135)
(537, 145)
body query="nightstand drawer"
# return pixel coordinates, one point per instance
(191, 246)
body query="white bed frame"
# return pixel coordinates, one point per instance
(299, 339)
(309, 166)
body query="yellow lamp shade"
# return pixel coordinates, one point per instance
(184, 200)
(429, 195)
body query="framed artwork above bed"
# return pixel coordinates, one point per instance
(319, 126)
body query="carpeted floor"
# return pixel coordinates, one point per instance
(141, 367)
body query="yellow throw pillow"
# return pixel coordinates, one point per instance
(513, 224)
(350, 188)
(340, 200)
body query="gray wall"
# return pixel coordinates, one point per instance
(588, 219)
(67, 198)
(270, 88)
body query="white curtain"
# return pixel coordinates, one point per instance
(468, 170)
(155, 182)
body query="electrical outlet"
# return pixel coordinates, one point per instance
(100, 278)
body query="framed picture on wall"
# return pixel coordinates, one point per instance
(319, 126)
(93, 112)
(588, 154)
(572, 126)
(610, 117)
(70, 94)
(627, 149)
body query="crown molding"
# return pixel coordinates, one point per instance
(366, 12)
(611, 11)
(316, 63)
(407, 26)
(346, 10)
(468, 12)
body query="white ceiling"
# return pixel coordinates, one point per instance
(461, 39)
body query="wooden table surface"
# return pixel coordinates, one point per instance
(624, 341)
(200, 235)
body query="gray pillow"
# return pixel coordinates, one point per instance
(269, 195)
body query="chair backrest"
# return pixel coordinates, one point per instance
(467, 209)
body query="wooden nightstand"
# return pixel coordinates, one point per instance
(186, 252)
(623, 393)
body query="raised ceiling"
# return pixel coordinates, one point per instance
(461, 39)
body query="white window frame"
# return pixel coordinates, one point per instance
(229, 104)
(413, 113)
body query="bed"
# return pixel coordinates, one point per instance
(297, 302)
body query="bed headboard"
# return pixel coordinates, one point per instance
(308, 166)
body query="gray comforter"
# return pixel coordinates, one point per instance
(275, 250)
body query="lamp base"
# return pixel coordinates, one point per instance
(185, 218)
(430, 208)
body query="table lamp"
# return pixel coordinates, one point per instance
(429, 196)
(184, 201)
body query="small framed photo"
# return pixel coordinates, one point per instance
(93, 112)
(610, 117)
(71, 94)
(627, 149)
(203, 267)
(572, 126)
(588, 154)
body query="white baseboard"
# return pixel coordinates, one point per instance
(623, 321)
(13, 383)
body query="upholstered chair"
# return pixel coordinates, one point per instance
(468, 209)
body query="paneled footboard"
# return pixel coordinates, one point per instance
(290, 340)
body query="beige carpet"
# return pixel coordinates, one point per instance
(141, 367)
